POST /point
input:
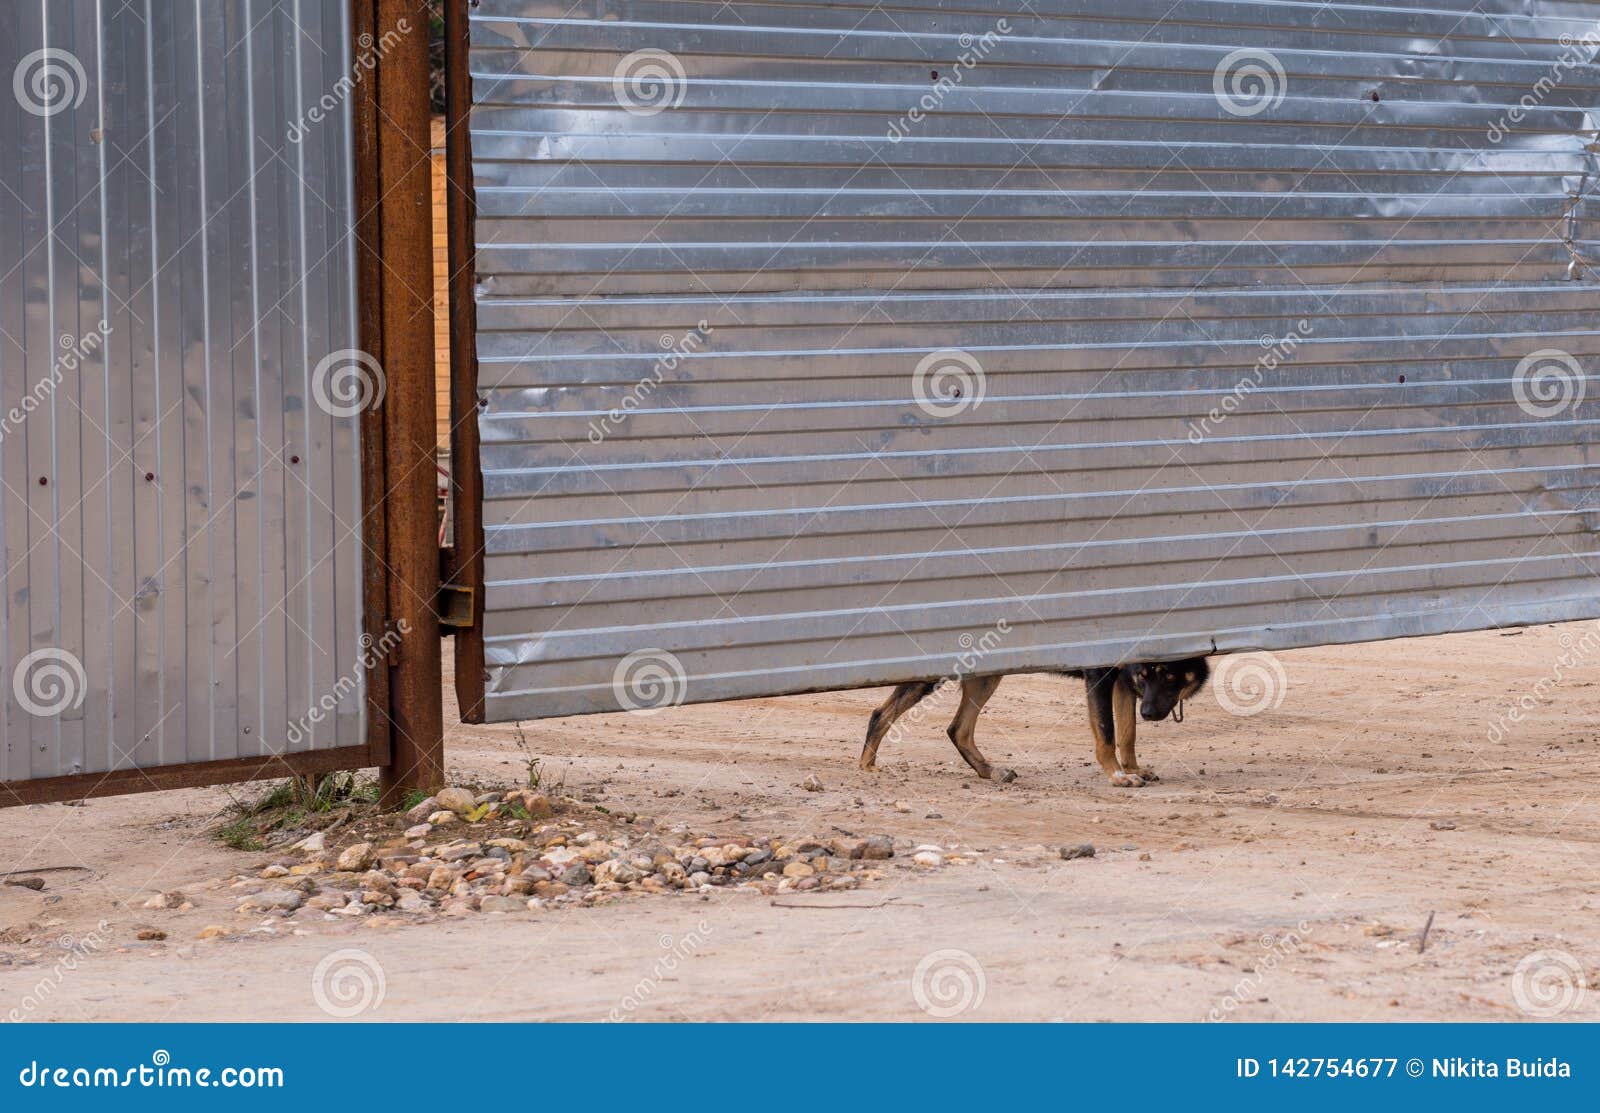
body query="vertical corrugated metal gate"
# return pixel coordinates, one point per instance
(818, 340)
(182, 513)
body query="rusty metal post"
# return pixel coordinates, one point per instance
(465, 468)
(405, 221)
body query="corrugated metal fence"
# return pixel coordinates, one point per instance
(181, 507)
(823, 344)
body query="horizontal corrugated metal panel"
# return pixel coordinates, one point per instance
(719, 257)
(180, 518)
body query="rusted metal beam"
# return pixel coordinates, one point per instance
(405, 231)
(369, 306)
(466, 567)
(194, 774)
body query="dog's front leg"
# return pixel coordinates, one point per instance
(1125, 710)
(1101, 685)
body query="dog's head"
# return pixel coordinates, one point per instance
(1163, 686)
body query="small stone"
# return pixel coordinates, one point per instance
(442, 818)
(441, 879)
(798, 869)
(1145, 857)
(314, 843)
(875, 849)
(502, 904)
(927, 858)
(273, 900)
(844, 882)
(212, 931)
(457, 800)
(356, 857)
(577, 875)
(812, 783)
(902, 806)
(151, 935)
(273, 872)
(166, 900)
(1442, 825)
(420, 831)
(537, 805)
(1082, 850)
(615, 871)
(411, 902)
(421, 811)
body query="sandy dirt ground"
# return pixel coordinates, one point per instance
(1283, 868)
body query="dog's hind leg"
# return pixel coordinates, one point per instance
(903, 699)
(1100, 686)
(975, 692)
(1125, 710)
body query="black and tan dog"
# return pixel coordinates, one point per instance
(1157, 689)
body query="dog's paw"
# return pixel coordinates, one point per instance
(1004, 776)
(1146, 773)
(868, 766)
(1127, 780)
